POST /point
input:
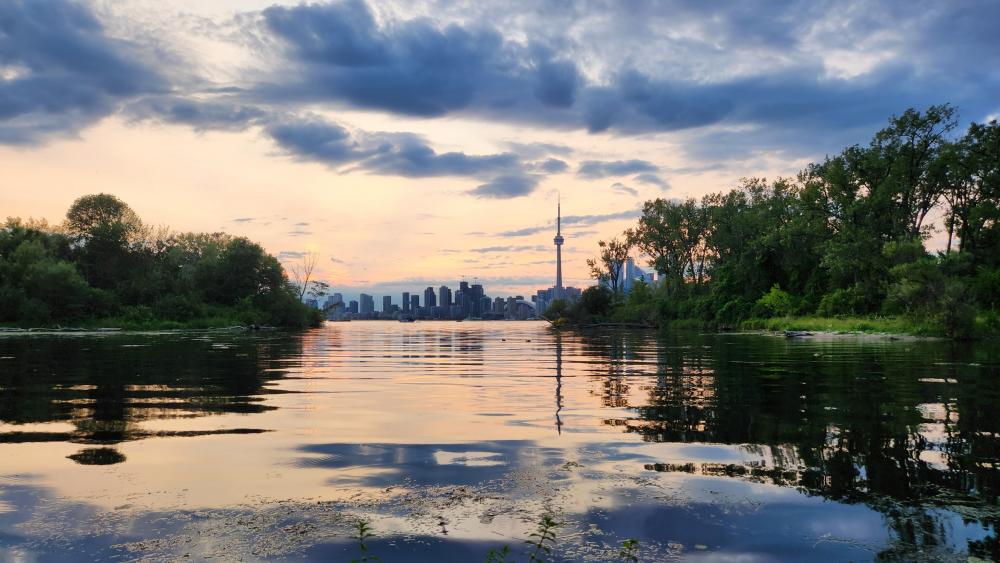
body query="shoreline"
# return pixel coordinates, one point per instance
(797, 327)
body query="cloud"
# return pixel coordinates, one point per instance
(60, 72)
(551, 166)
(410, 156)
(652, 180)
(244, 220)
(594, 169)
(199, 114)
(506, 187)
(290, 255)
(766, 66)
(623, 189)
(316, 140)
(573, 220)
(299, 233)
(539, 150)
(523, 248)
(400, 154)
(600, 218)
(412, 67)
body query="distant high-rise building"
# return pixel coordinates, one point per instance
(430, 300)
(387, 304)
(406, 301)
(333, 301)
(367, 305)
(444, 296)
(414, 303)
(352, 308)
(558, 242)
(475, 300)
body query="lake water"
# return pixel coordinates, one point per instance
(454, 438)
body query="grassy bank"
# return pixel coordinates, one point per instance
(868, 325)
(986, 327)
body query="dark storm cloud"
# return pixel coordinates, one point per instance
(412, 67)
(400, 154)
(410, 156)
(594, 169)
(62, 72)
(506, 187)
(423, 67)
(201, 115)
(551, 166)
(741, 79)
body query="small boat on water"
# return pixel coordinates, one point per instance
(406, 319)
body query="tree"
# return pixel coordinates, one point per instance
(673, 235)
(302, 272)
(609, 267)
(104, 214)
(973, 192)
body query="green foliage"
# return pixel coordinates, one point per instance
(845, 237)
(105, 266)
(542, 539)
(363, 532)
(775, 303)
(629, 551)
(498, 555)
(556, 310)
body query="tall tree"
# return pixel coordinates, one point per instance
(609, 266)
(302, 273)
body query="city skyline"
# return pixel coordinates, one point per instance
(470, 300)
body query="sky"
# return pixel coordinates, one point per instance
(423, 142)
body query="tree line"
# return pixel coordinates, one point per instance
(845, 237)
(104, 265)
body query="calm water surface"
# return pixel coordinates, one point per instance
(454, 438)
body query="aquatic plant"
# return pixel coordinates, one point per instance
(630, 549)
(542, 539)
(364, 532)
(498, 555)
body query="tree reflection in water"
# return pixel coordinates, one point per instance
(106, 387)
(883, 426)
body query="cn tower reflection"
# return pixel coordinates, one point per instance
(559, 423)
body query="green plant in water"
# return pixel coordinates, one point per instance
(629, 551)
(542, 539)
(498, 555)
(363, 532)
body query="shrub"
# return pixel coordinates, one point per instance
(775, 303)
(848, 301)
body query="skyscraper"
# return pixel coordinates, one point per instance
(558, 242)
(429, 300)
(414, 303)
(387, 304)
(367, 305)
(406, 301)
(445, 301)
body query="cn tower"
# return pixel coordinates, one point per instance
(558, 242)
